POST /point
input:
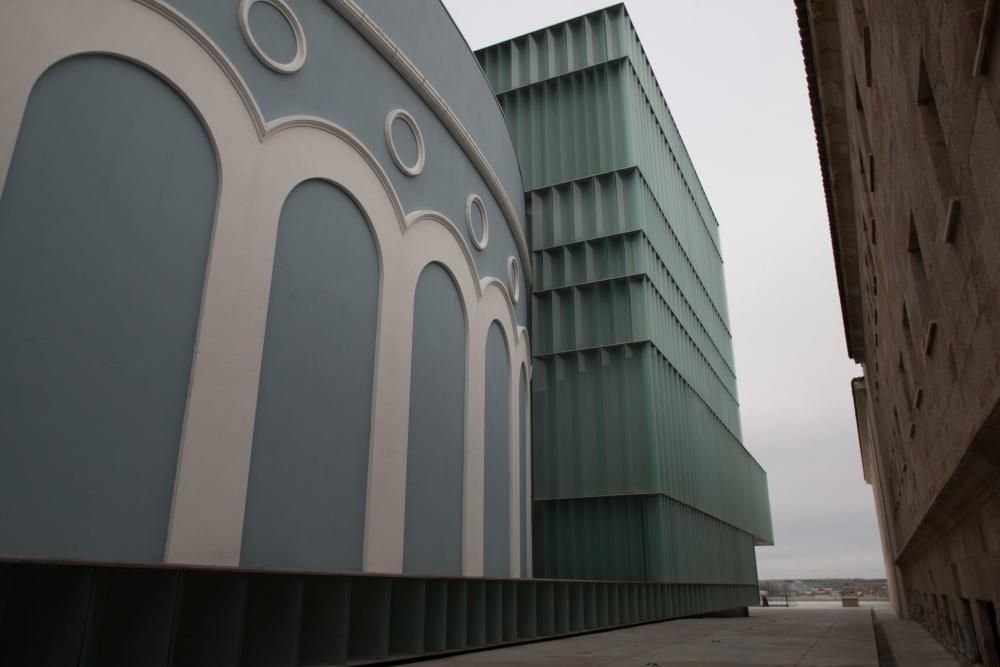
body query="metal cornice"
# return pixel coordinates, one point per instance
(388, 49)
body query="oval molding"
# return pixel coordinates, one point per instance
(513, 278)
(293, 65)
(395, 56)
(475, 201)
(418, 137)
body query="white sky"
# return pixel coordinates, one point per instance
(733, 76)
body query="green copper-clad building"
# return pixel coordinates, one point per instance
(639, 469)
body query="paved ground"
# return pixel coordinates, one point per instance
(808, 634)
(911, 644)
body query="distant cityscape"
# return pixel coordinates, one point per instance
(826, 589)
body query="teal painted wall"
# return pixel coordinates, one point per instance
(105, 227)
(524, 452)
(436, 453)
(345, 80)
(309, 463)
(496, 493)
(639, 468)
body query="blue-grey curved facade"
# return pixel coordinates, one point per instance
(434, 462)
(497, 491)
(309, 462)
(246, 320)
(347, 81)
(104, 233)
(426, 31)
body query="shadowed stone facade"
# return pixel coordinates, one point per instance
(906, 102)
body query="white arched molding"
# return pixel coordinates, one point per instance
(526, 494)
(395, 56)
(210, 484)
(496, 295)
(418, 138)
(260, 162)
(298, 60)
(436, 239)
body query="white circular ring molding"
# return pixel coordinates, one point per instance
(477, 202)
(403, 115)
(514, 278)
(286, 12)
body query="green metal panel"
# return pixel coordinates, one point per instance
(571, 220)
(639, 538)
(621, 420)
(639, 469)
(595, 121)
(599, 37)
(627, 310)
(114, 614)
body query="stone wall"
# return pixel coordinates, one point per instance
(906, 97)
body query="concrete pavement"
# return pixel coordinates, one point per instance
(805, 635)
(911, 645)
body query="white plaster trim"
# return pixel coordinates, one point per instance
(298, 60)
(478, 240)
(259, 164)
(513, 279)
(514, 458)
(395, 56)
(418, 138)
(486, 300)
(527, 568)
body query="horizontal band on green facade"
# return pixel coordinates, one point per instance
(640, 538)
(627, 310)
(622, 421)
(599, 37)
(629, 255)
(617, 202)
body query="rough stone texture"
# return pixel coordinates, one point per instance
(907, 643)
(899, 96)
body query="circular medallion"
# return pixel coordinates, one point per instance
(514, 278)
(286, 12)
(418, 138)
(475, 202)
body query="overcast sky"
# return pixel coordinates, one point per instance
(733, 77)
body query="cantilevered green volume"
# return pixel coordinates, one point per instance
(639, 469)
